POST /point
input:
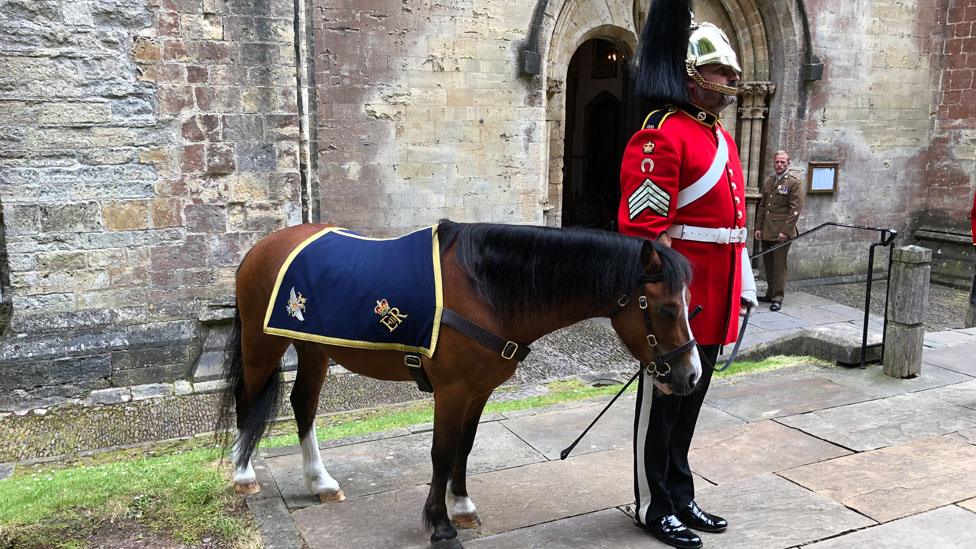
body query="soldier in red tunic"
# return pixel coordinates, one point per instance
(681, 181)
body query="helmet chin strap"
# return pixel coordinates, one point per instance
(705, 84)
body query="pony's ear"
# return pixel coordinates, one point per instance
(649, 256)
(664, 238)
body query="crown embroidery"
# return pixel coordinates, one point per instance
(391, 317)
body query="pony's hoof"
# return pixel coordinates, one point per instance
(466, 520)
(247, 489)
(452, 543)
(336, 496)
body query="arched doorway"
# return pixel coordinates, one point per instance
(599, 120)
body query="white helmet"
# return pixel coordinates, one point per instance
(708, 45)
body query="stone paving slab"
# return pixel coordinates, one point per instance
(754, 338)
(751, 449)
(948, 527)
(270, 513)
(969, 435)
(849, 313)
(969, 504)
(958, 358)
(550, 432)
(389, 464)
(896, 482)
(544, 492)
(804, 299)
(777, 321)
(389, 519)
(609, 528)
(872, 380)
(335, 443)
(780, 393)
(960, 394)
(813, 315)
(948, 338)
(884, 422)
(770, 512)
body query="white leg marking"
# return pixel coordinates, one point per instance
(317, 479)
(695, 359)
(243, 472)
(458, 505)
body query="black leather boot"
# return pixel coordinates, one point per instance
(696, 519)
(669, 530)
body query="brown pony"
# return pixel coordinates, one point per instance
(517, 282)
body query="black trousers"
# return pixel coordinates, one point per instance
(663, 427)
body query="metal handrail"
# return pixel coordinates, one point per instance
(885, 238)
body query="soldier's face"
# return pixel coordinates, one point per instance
(711, 100)
(781, 162)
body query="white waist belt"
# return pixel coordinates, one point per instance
(707, 234)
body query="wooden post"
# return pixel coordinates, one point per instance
(911, 267)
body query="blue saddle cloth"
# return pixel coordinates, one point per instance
(344, 289)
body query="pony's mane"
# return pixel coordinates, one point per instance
(519, 269)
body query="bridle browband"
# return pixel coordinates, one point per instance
(660, 365)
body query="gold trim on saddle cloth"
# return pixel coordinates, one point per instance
(438, 306)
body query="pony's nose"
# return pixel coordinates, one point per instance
(691, 380)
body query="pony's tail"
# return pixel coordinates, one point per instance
(250, 427)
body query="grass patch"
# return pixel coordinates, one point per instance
(183, 497)
(771, 363)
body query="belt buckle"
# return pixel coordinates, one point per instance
(510, 349)
(724, 235)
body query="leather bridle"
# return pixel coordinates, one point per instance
(660, 365)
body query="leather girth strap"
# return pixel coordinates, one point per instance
(509, 350)
(415, 366)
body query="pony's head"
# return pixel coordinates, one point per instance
(653, 321)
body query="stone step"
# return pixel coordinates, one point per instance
(839, 342)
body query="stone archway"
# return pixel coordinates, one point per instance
(768, 36)
(576, 22)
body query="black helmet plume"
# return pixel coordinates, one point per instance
(661, 75)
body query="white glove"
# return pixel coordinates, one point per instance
(748, 280)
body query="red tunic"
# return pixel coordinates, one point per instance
(972, 220)
(681, 146)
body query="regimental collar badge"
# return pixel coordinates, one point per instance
(649, 148)
(296, 305)
(391, 317)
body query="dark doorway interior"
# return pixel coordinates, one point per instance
(600, 118)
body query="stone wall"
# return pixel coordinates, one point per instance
(426, 116)
(144, 146)
(943, 224)
(872, 113)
